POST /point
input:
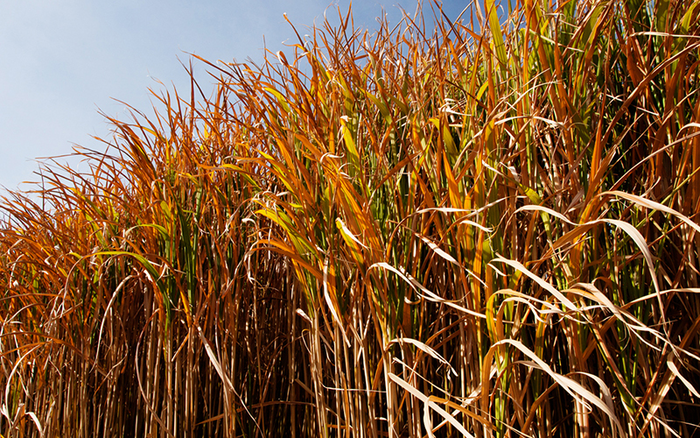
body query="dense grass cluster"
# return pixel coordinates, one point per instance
(413, 232)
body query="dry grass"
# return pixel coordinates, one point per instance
(409, 233)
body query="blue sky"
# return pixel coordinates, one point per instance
(62, 61)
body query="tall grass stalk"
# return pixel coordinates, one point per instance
(422, 231)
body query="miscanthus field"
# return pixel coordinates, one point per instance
(477, 227)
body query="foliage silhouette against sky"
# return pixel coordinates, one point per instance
(63, 62)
